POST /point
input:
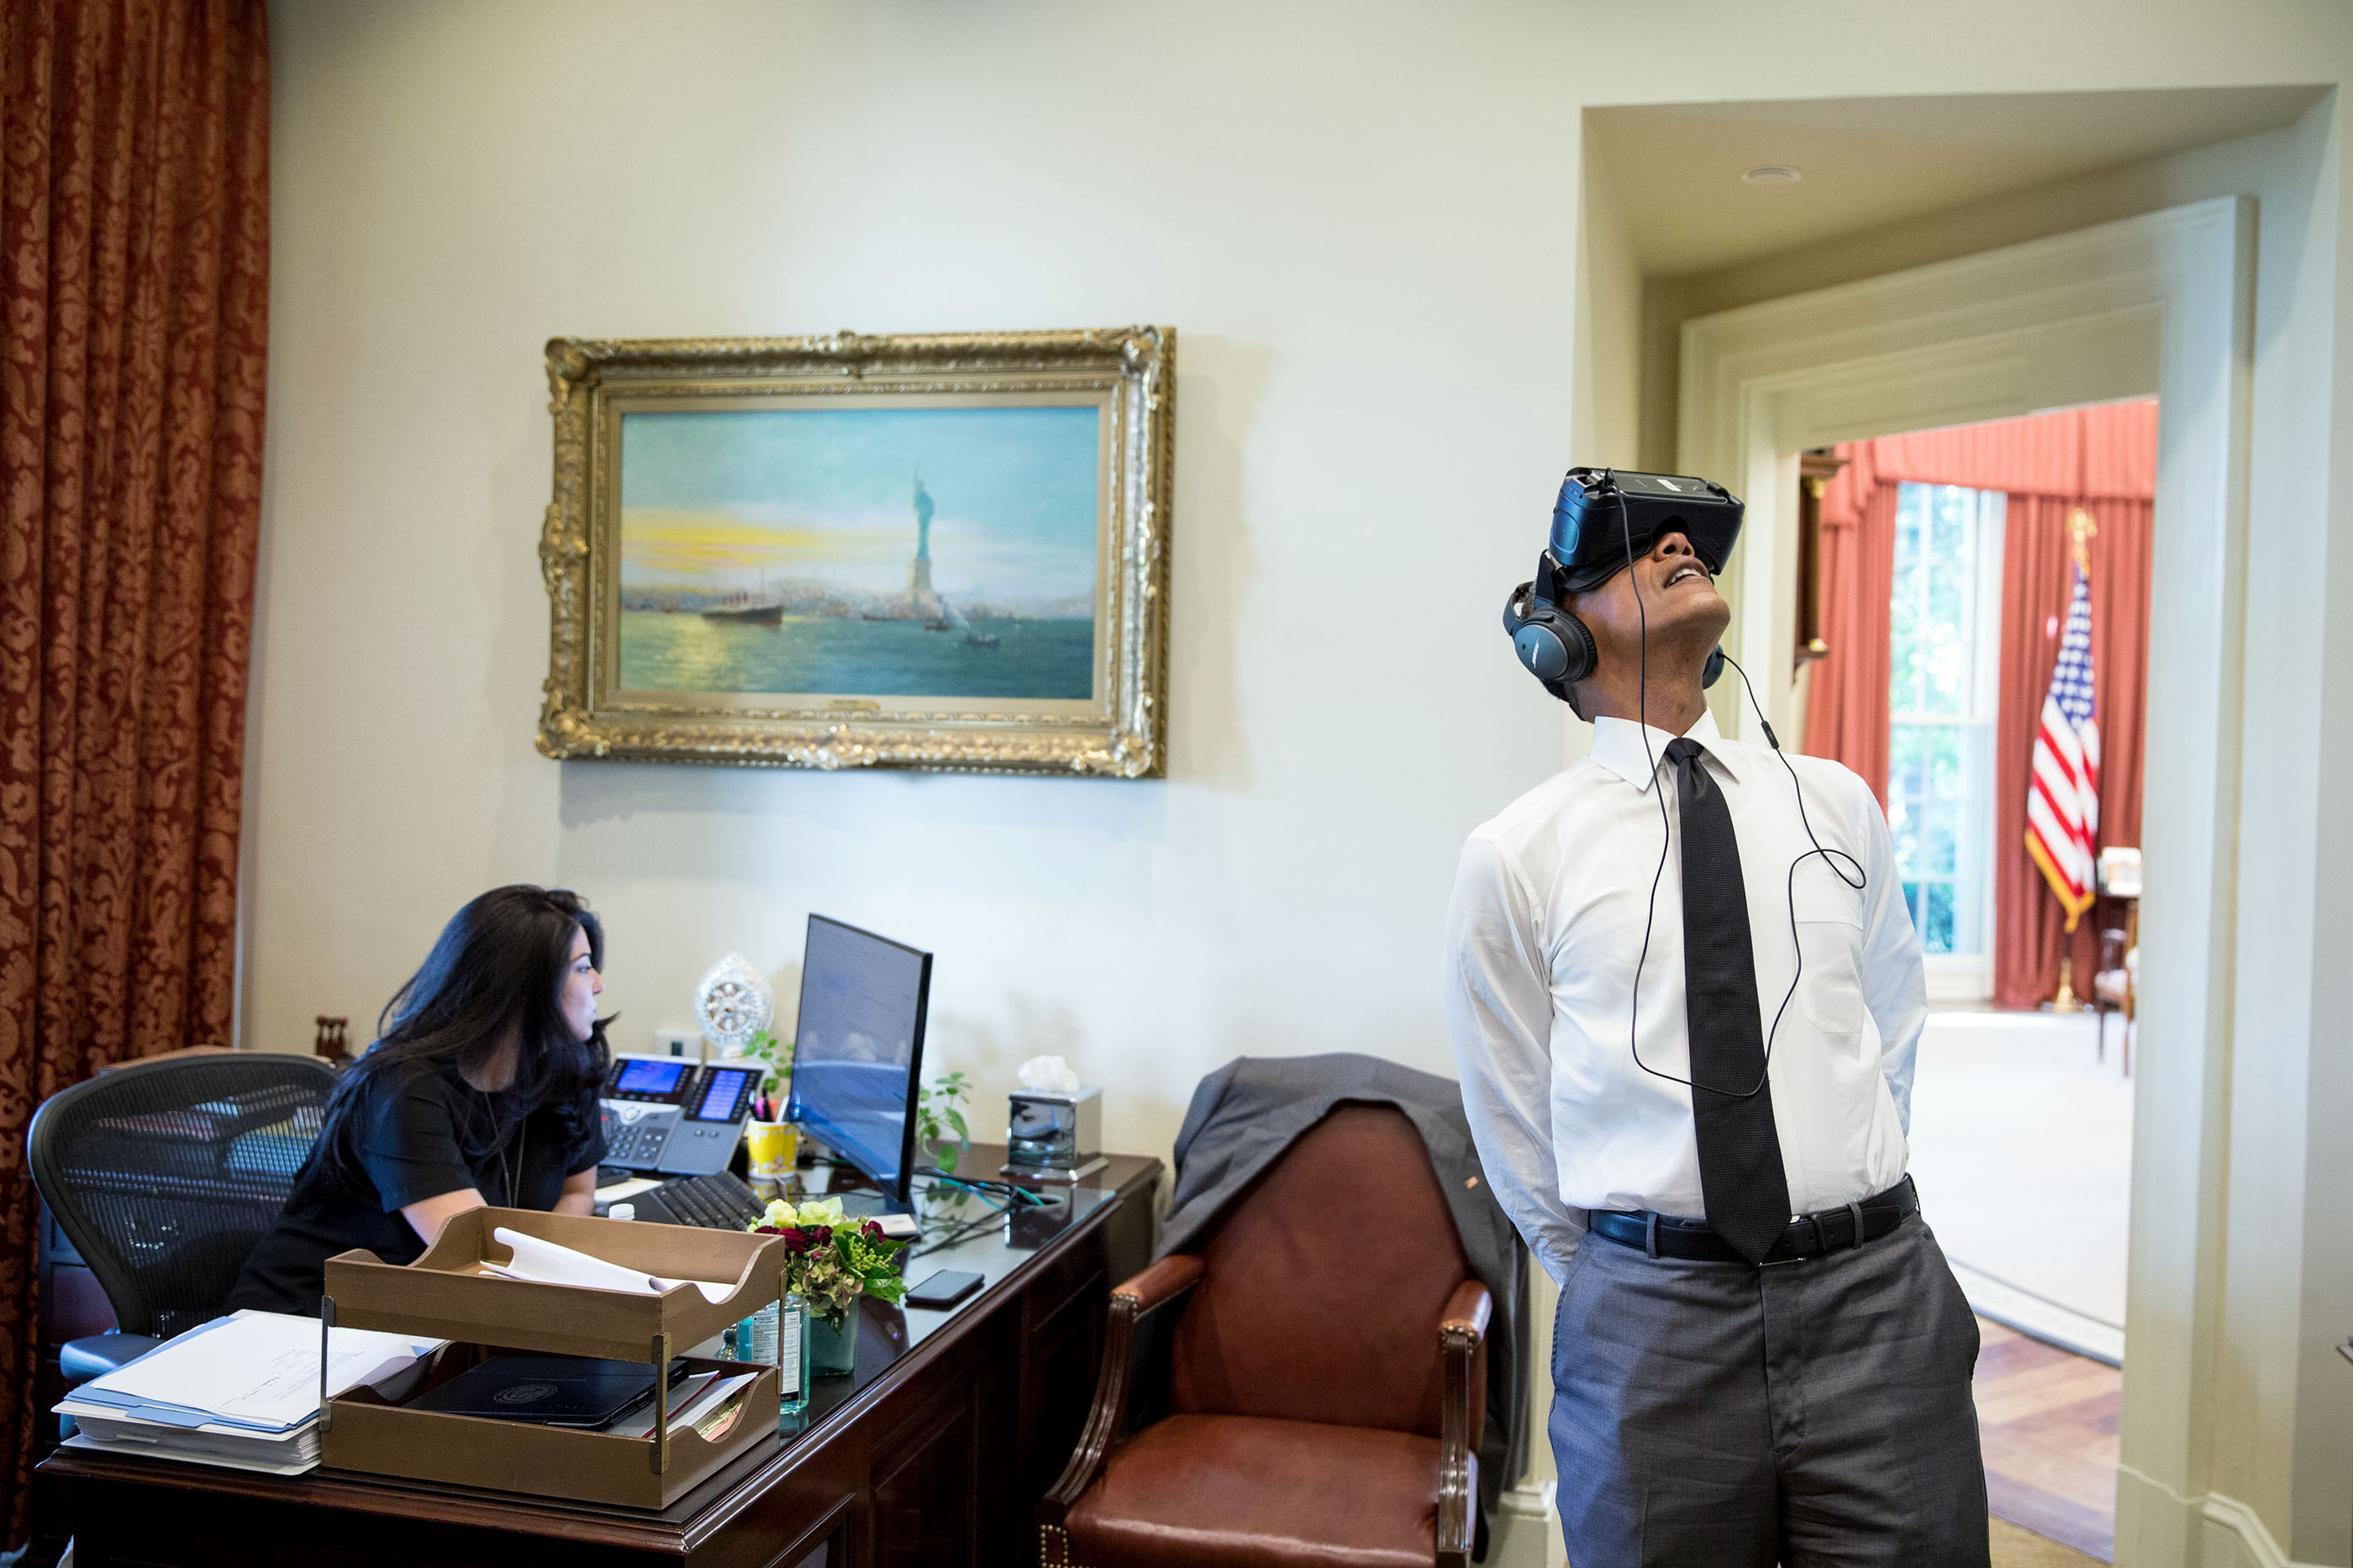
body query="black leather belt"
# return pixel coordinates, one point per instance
(1807, 1235)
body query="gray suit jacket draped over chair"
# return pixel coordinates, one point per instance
(1248, 1113)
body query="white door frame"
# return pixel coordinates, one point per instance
(2162, 304)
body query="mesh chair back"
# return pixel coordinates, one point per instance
(165, 1174)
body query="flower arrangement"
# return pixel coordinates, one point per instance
(832, 1259)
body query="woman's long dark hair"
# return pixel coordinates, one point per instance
(499, 965)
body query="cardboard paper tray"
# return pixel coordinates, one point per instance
(444, 1293)
(363, 1433)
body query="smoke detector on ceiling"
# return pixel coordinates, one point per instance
(1772, 174)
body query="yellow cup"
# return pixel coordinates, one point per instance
(773, 1146)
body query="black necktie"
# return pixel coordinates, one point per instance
(1740, 1177)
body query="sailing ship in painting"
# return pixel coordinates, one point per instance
(761, 609)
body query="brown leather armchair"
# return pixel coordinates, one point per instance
(1324, 1379)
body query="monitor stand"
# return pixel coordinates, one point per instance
(864, 1202)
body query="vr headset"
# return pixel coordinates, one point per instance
(1602, 518)
(1590, 538)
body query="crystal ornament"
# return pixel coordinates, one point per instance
(732, 1003)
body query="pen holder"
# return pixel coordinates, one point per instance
(771, 1146)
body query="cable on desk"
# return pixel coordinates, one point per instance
(983, 1184)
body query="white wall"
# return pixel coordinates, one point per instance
(1357, 460)
(1362, 218)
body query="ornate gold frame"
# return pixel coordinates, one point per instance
(1128, 371)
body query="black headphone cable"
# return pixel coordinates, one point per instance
(1831, 857)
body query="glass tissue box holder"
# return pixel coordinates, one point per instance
(1053, 1136)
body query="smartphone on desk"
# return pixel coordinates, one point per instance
(942, 1288)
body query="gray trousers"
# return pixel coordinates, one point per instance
(1716, 1415)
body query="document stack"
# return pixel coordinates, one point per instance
(240, 1391)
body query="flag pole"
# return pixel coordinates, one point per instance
(2066, 1001)
(2080, 529)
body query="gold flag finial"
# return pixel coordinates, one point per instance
(2080, 528)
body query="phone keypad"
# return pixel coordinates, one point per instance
(634, 1134)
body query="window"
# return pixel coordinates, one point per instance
(1943, 632)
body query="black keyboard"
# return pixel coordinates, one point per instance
(719, 1201)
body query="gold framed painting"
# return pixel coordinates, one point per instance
(945, 552)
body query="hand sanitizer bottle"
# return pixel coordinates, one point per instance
(792, 1355)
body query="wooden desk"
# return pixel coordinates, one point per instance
(933, 1452)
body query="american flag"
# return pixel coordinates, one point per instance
(2062, 797)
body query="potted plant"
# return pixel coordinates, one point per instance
(775, 1060)
(939, 1114)
(831, 1261)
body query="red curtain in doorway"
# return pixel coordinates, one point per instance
(134, 188)
(1846, 692)
(2038, 575)
(2100, 459)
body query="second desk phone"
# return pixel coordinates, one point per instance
(665, 1114)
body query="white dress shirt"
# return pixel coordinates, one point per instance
(1542, 935)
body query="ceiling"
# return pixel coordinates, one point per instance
(1872, 160)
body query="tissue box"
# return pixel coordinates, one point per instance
(1052, 1135)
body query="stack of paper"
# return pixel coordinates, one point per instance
(240, 1391)
(549, 1263)
(693, 1403)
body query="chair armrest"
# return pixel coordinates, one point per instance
(95, 1355)
(1467, 1313)
(1162, 1283)
(1165, 1281)
(1462, 1334)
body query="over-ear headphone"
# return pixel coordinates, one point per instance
(1552, 644)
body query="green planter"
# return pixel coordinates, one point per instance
(833, 1347)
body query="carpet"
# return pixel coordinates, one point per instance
(2013, 1113)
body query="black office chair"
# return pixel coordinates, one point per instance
(165, 1175)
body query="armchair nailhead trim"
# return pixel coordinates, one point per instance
(1054, 1547)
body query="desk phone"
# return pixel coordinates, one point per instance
(666, 1114)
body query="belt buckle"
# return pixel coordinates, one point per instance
(1821, 1242)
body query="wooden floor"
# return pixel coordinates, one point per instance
(2047, 1420)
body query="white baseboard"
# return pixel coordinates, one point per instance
(2157, 1527)
(1526, 1532)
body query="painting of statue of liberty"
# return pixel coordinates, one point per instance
(941, 553)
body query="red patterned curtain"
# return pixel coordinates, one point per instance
(2103, 460)
(134, 183)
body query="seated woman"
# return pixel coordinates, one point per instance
(481, 1089)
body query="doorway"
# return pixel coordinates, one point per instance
(2147, 306)
(1979, 601)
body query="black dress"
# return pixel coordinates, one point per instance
(412, 1131)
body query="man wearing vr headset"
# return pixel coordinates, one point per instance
(1689, 1087)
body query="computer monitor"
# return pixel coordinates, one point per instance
(857, 1049)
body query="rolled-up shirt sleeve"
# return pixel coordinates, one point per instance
(1895, 982)
(1498, 1015)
